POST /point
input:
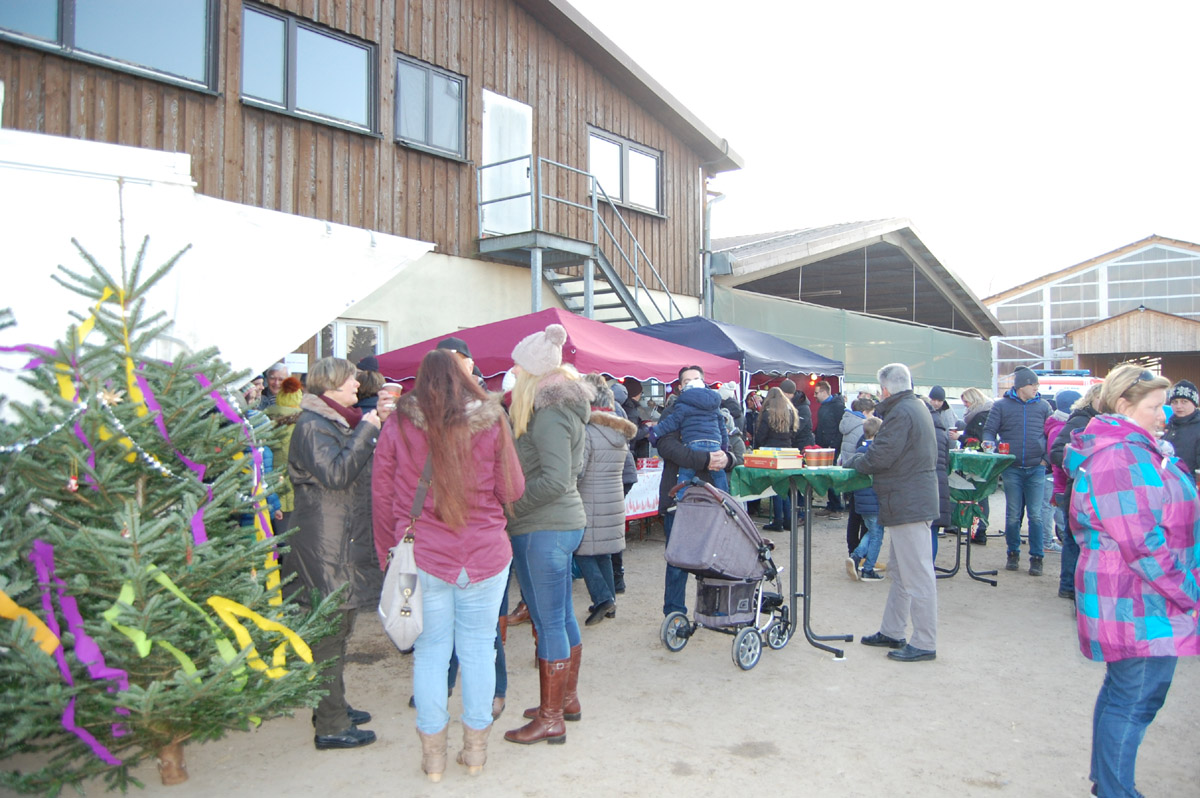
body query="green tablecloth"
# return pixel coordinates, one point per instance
(973, 477)
(753, 481)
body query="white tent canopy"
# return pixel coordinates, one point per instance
(255, 283)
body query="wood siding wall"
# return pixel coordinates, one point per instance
(271, 160)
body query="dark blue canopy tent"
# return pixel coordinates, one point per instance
(757, 352)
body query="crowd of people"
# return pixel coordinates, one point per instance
(531, 483)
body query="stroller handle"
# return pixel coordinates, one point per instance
(716, 494)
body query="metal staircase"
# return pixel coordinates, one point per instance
(566, 241)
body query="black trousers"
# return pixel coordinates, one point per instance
(855, 528)
(331, 715)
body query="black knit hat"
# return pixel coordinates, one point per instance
(369, 363)
(937, 392)
(1184, 390)
(1024, 376)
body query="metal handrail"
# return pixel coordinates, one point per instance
(540, 197)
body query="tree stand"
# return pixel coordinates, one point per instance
(171, 766)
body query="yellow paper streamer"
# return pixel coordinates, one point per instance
(46, 639)
(228, 611)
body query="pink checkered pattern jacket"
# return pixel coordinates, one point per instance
(1136, 518)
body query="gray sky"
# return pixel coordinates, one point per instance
(1019, 138)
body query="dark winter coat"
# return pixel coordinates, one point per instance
(865, 500)
(330, 468)
(829, 421)
(551, 455)
(675, 454)
(941, 429)
(1078, 420)
(975, 420)
(804, 435)
(903, 461)
(1022, 425)
(696, 417)
(1184, 435)
(751, 422)
(605, 447)
(768, 437)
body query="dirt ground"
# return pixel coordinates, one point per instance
(1004, 710)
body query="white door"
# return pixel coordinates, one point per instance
(507, 133)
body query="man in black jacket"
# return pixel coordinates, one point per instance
(830, 409)
(676, 455)
(1079, 418)
(903, 462)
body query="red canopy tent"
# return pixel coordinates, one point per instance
(591, 346)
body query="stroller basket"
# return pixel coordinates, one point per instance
(722, 603)
(714, 537)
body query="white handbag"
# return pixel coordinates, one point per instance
(400, 602)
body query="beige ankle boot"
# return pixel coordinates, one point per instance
(433, 754)
(474, 750)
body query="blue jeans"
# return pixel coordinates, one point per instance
(459, 618)
(1131, 695)
(868, 548)
(1070, 552)
(597, 570)
(781, 511)
(719, 478)
(1023, 492)
(675, 584)
(543, 563)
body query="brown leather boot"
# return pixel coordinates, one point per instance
(474, 750)
(519, 615)
(548, 725)
(433, 754)
(571, 708)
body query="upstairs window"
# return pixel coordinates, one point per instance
(301, 69)
(173, 39)
(629, 173)
(430, 107)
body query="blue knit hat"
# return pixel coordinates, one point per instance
(1066, 400)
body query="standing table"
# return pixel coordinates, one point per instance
(973, 477)
(753, 481)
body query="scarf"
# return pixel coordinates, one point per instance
(352, 414)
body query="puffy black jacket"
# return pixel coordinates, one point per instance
(829, 420)
(942, 432)
(1184, 435)
(1022, 425)
(903, 461)
(804, 435)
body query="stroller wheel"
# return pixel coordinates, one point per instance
(747, 648)
(779, 632)
(675, 631)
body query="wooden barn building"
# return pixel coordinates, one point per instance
(545, 166)
(1140, 302)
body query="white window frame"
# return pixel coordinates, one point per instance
(341, 336)
(627, 146)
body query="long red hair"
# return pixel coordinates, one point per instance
(443, 392)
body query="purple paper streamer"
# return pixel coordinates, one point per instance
(199, 531)
(42, 558)
(234, 417)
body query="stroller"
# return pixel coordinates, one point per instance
(738, 589)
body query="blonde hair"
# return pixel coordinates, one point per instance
(1089, 396)
(524, 391)
(1131, 382)
(871, 427)
(973, 396)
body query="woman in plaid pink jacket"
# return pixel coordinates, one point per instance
(1137, 585)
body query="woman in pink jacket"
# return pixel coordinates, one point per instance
(462, 549)
(1135, 516)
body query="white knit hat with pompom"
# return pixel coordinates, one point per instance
(541, 352)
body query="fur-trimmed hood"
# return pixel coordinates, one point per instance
(603, 418)
(317, 405)
(480, 415)
(558, 389)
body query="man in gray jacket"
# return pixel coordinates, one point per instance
(903, 461)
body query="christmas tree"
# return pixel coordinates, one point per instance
(140, 598)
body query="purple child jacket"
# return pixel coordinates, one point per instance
(1136, 518)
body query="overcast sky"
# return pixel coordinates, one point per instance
(1019, 138)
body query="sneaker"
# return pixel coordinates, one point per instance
(1014, 561)
(852, 568)
(821, 511)
(1054, 546)
(1035, 566)
(773, 527)
(870, 575)
(835, 516)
